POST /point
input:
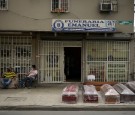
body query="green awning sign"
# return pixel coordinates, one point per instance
(125, 22)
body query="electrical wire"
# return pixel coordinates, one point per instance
(53, 17)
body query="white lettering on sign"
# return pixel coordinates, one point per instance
(83, 25)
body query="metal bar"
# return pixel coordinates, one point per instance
(116, 68)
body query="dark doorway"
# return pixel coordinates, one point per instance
(72, 68)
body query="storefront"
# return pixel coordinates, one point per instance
(72, 61)
(75, 49)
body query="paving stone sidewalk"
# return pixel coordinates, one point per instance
(49, 98)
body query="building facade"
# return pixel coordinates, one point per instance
(68, 39)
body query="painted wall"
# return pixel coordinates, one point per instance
(35, 15)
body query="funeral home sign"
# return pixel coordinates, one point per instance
(83, 25)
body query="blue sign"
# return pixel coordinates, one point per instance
(83, 25)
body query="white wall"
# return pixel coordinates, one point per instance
(35, 15)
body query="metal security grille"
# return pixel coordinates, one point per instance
(51, 61)
(108, 60)
(16, 52)
(3, 4)
(109, 4)
(59, 5)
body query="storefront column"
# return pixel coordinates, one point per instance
(83, 60)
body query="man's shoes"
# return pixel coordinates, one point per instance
(4, 88)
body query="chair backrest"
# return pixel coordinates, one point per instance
(36, 77)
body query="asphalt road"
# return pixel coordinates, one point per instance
(67, 112)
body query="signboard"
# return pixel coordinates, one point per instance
(83, 25)
(129, 22)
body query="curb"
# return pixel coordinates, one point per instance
(69, 108)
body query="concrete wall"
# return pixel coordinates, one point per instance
(132, 58)
(35, 15)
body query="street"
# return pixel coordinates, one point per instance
(67, 112)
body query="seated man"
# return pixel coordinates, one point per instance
(30, 76)
(7, 78)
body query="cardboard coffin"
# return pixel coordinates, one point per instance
(90, 94)
(98, 84)
(131, 85)
(70, 94)
(126, 95)
(109, 94)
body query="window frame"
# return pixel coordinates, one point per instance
(59, 6)
(2, 3)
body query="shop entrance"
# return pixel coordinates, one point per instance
(72, 65)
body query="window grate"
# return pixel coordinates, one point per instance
(51, 64)
(3, 4)
(60, 6)
(15, 52)
(108, 60)
(109, 5)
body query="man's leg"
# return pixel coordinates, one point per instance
(27, 81)
(8, 82)
(3, 81)
(30, 81)
(23, 82)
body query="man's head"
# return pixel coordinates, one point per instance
(8, 69)
(34, 66)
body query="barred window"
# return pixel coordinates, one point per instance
(3, 4)
(60, 6)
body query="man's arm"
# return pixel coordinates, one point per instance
(13, 74)
(3, 75)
